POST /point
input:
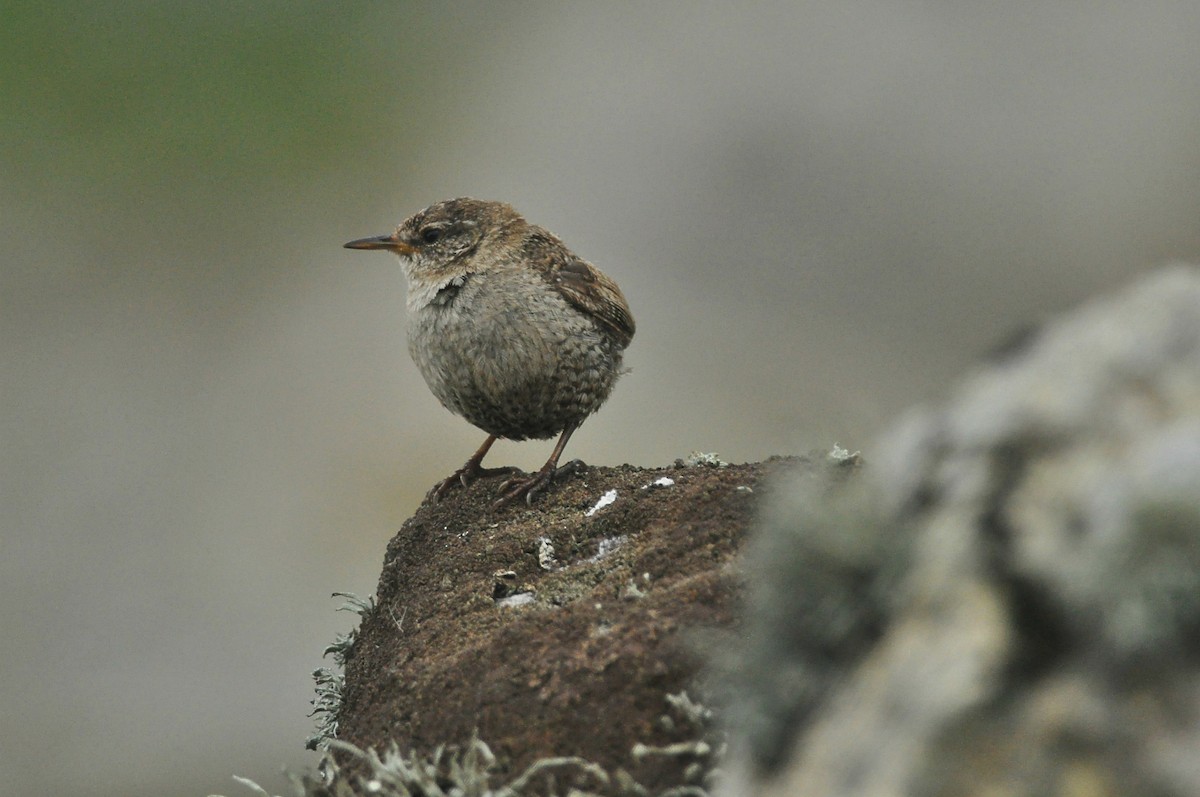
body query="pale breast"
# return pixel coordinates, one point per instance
(511, 355)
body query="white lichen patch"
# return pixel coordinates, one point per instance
(606, 499)
(664, 481)
(710, 459)
(842, 456)
(546, 559)
(606, 547)
(473, 769)
(513, 601)
(330, 682)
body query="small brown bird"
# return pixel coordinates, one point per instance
(510, 329)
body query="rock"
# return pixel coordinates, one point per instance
(557, 630)
(1009, 601)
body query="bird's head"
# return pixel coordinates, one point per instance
(441, 238)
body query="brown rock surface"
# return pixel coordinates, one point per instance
(582, 668)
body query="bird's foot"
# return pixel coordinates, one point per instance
(522, 486)
(463, 478)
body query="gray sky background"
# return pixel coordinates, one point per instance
(819, 212)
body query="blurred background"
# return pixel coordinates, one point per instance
(820, 214)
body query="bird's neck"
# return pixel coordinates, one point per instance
(428, 290)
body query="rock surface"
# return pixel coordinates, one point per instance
(1009, 601)
(552, 631)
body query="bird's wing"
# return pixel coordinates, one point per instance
(583, 285)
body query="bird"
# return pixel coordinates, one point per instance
(509, 328)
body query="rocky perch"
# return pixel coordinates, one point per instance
(1004, 600)
(557, 630)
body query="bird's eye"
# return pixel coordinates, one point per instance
(431, 235)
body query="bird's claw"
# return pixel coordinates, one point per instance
(527, 487)
(463, 477)
(521, 486)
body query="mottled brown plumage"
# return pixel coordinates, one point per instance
(510, 328)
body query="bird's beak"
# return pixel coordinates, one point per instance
(389, 242)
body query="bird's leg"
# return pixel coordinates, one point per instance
(521, 486)
(469, 472)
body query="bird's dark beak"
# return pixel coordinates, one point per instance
(389, 242)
